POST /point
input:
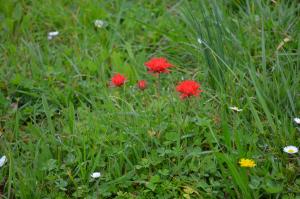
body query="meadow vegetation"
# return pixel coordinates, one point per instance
(61, 120)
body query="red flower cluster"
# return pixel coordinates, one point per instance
(158, 65)
(188, 88)
(142, 84)
(118, 80)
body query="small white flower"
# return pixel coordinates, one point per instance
(290, 149)
(99, 23)
(51, 35)
(96, 175)
(199, 41)
(3, 159)
(234, 108)
(297, 120)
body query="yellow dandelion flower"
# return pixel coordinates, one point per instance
(247, 163)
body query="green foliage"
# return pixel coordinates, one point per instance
(60, 122)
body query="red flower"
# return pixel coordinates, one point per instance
(142, 84)
(118, 80)
(158, 65)
(188, 88)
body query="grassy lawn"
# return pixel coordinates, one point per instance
(62, 120)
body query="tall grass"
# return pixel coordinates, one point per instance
(246, 69)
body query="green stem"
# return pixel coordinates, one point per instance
(123, 98)
(158, 86)
(185, 115)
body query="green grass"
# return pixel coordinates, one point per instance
(60, 121)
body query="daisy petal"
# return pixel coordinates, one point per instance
(3, 159)
(290, 149)
(96, 175)
(234, 108)
(297, 120)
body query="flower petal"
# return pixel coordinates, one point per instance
(3, 160)
(96, 175)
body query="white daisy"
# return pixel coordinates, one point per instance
(3, 159)
(51, 35)
(99, 23)
(199, 41)
(290, 149)
(96, 175)
(297, 120)
(234, 108)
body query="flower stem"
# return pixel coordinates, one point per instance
(123, 97)
(181, 132)
(158, 86)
